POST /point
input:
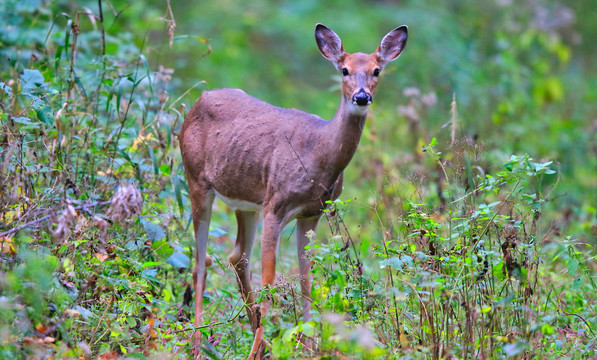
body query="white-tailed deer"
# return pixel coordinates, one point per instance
(283, 162)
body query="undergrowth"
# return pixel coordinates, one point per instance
(472, 279)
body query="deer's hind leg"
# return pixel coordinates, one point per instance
(302, 227)
(201, 202)
(241, 258)
(304, 256)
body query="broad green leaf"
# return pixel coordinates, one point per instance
(573, 266)
(24, 120)
(45, 115)
(393, 262)
(179, 260)
(547, 329)
(154, 231)
(31, 80)
(162, 248)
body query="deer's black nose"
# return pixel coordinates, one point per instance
(362, 98)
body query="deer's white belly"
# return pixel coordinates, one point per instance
(236, 204)
(243, 205)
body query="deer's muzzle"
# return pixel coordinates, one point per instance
(362, 98)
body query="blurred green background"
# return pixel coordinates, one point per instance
(522, 73)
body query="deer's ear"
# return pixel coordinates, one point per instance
(392, 45)
(329, 44)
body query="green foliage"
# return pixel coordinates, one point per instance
(436, 249)
(467, 280)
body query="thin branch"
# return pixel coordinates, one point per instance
(232, 318)
(186, 92)
(170, 23)
(454, 119)
(84, 207)
(102, 31)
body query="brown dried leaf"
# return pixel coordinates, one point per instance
(64, 223)
(41, 328)
(72, 313)
(101, 257)
(7, 246)
(108, 356)
(126, 203)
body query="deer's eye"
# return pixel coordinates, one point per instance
(376, 72)
(345, 72)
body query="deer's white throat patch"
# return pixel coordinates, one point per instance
(353, 108)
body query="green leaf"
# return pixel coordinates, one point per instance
(7, 89)
(154, 231)
(177, 192)
(23, 120)
(85, 313)
(162, 248)
(150, 274)
(57, 56)
(493, 204)
(119, 95)
(31, 80)
(154, 160)
(573, 266)
(393, 262)
(217, 232)
(290, 334)
(165, 169)
(179, 260)
(147, 73)
(577, 283)
(547, 329)
(514, 349)
(151, 263)
(364, 248)
(80, 84)
(308, 329)
(44, 114)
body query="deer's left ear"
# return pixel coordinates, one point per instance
(329, 44)
(392, 45)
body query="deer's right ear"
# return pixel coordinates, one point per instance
(329, 44)
(392, 45)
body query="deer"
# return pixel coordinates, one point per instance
(284, 163)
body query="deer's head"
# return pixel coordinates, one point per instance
(360, 71)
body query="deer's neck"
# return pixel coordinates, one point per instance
(344, 134)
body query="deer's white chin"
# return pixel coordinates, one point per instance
(353, 108)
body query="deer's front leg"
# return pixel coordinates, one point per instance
(272, 226)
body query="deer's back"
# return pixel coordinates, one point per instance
(247, 149)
